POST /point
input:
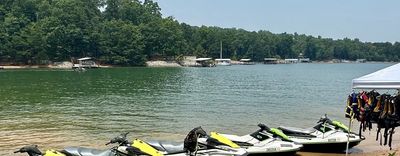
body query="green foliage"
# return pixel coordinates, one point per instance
(121, 43)
(130, 32)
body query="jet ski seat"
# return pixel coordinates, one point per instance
(293, 131)
(168, 146)
(81, 151)
(243, 144)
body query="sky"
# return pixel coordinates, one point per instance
(367, 20)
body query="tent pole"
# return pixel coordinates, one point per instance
(348, 133)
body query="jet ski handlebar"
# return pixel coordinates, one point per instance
(121, 139)
(32, 150)
(263, 127)
(325, 119)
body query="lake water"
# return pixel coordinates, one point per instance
(58, 108)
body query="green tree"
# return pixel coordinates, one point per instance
(121, 43)
(163, 39)
(112, 9)
(283, 48)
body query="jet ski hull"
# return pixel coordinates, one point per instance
(269, 146)
(329, 147)
(288, 153)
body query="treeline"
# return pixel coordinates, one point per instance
(130, 32)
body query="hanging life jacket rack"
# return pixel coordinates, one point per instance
(372, 107)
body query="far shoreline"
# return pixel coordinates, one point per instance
(164, 64)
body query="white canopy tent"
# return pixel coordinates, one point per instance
(387, 78)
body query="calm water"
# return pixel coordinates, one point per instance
(57, 108)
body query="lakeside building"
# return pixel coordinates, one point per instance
(361, 60)
(204, 62)
(304, 60)
(289, 61)
(86, 62)
(270, 61)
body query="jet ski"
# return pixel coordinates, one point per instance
(326, 136)
(122, 149)
(265, 141)
(197, 142)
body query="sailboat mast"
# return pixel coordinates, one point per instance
(220, 53)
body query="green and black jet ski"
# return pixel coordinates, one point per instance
(193, 146)
(265, 141)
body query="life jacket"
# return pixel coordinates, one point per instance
(387, 120)
(369, 108)
(351, 108)
(348, 110)
(378, 108)
(366, 103)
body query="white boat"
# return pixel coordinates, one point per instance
(221, 61)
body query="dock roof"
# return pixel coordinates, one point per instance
(270, 59)
(203, 59)
(84, 59)
(222, 59)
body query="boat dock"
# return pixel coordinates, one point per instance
(86, 62)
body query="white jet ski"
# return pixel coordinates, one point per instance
(326, 136)
(265, 141)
